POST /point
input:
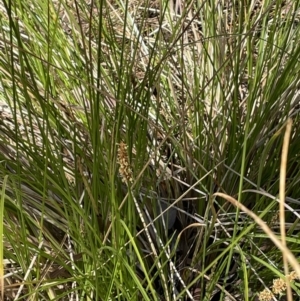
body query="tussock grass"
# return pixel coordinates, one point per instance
(135, 136)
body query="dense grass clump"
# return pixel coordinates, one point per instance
(149, 150)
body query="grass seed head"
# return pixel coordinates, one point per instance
(265, 295)
(125, 170)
